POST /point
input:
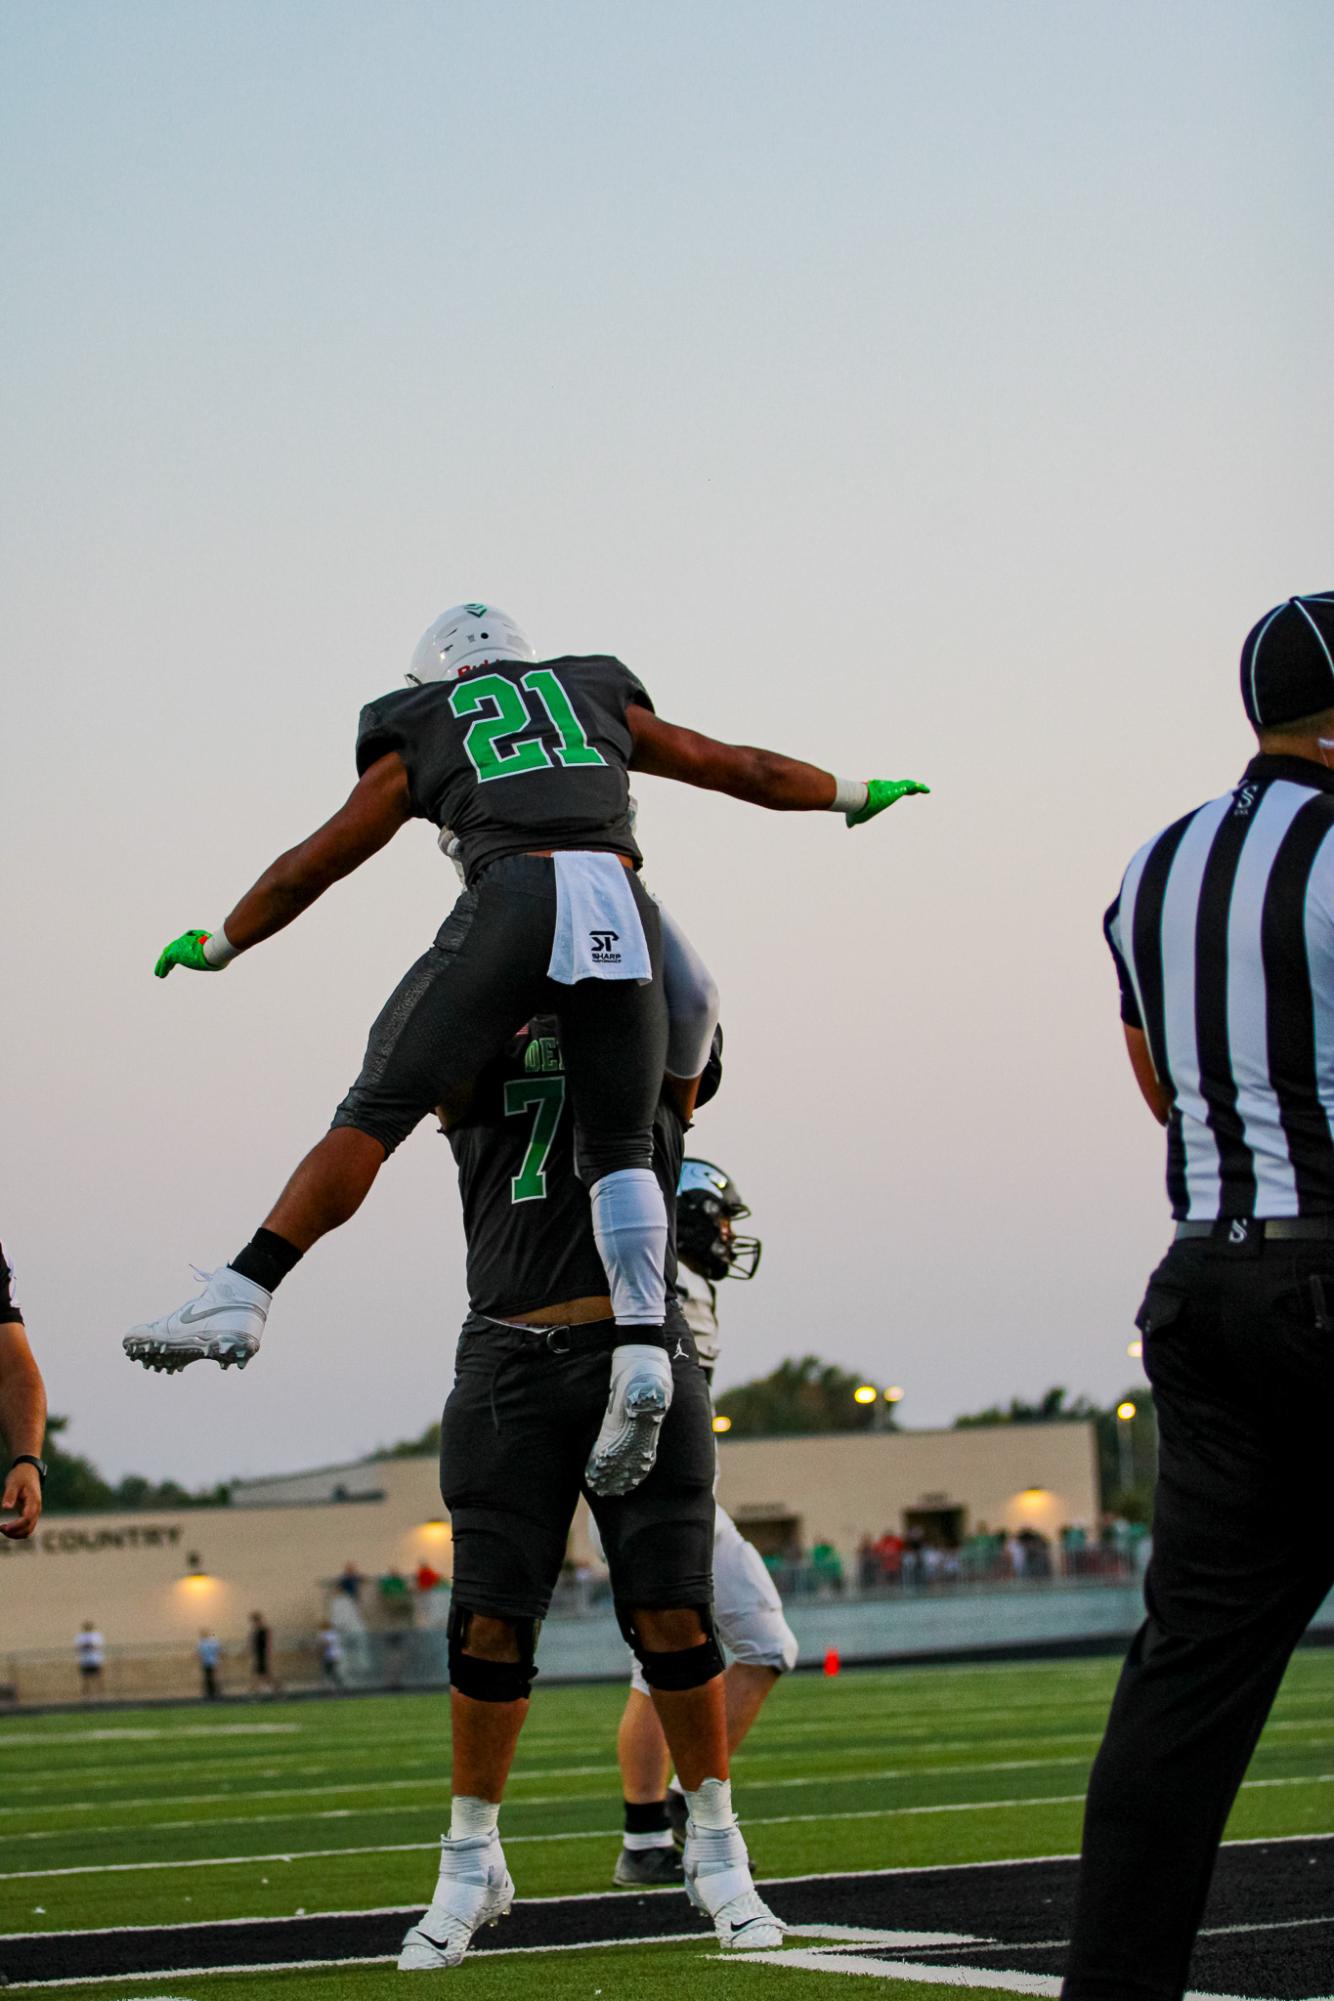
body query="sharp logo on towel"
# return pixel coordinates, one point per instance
(604, 947)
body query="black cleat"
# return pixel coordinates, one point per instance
(637, 1867)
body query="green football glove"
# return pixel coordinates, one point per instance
(187, 950)
(880, 793)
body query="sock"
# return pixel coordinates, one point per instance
(471, 1817)
(266, 1259)
(711, 1804)
(630, 1230)
(646, 1825)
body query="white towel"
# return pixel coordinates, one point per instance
(598, 934)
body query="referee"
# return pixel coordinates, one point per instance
(1223, 937)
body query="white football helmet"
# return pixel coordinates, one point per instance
(467, 635)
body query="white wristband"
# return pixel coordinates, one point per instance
(218, 948)
(849, 795)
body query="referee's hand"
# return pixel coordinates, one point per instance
(22, 1497)
(882, 793)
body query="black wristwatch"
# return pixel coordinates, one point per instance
(30, 1459)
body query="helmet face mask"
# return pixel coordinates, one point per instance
(466, 636)
(708, 1204)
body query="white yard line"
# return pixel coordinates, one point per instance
(437, 1783)
(599, 1834)
(37, 1740)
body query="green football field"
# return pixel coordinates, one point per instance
(122, 1820)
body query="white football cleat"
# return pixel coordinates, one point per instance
(718, 1882)
(641, 1394)
(474, 1889)
(222, 1324)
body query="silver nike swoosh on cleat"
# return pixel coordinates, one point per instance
(190, 1315)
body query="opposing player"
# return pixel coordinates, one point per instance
(527, 763)
(529, 1388)
(22, 1416)
(746, 1605)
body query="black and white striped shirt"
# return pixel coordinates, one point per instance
(1223, 936)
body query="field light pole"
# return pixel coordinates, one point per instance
(1125, 1444)
(883, 1400)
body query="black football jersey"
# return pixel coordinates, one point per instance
(9, 1306)
(516, 756)
(525, 1212)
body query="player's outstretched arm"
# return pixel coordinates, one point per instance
(761, 777)
(370, 817)
(22, 1427)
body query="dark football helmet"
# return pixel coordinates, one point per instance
(708, 1203)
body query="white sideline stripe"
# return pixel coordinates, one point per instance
(383, 1959)
(608, 1834)
(667, 1890)
(535, 1799)
(929, 1976)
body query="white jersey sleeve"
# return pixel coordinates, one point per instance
(698, 1304)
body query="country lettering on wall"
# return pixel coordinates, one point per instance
(56, 1541)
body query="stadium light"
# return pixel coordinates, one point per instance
(864, 1393)
(1135, 1350)
(721, 1423)
(1125, 1411)
(437, 1528)
(894, 1394)
(194, 1577)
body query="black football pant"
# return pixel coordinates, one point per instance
(514, 1441)
(1239, 1348)
(481, 981)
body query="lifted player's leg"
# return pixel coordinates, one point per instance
(614, 1038)
(491, 1676)
(450, 1014)
(224, 1322)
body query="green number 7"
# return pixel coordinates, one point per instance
(545, 1096)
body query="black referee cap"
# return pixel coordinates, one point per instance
(1287, 663)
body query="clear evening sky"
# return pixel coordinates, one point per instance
(931, 391)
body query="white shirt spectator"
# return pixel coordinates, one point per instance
(90, 1648)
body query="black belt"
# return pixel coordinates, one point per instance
(580, 1337)
(1295, 1229)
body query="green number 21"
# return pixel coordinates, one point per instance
(510, 716)
(545, 1097)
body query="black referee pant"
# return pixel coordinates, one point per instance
(1239, 1348)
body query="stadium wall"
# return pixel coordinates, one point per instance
(152, 1581)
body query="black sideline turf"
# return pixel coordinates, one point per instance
(1268, 1933)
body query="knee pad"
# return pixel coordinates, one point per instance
(491, 1681)
(688, 1667)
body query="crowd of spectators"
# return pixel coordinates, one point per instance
(917, 1559)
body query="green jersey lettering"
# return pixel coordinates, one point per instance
(574, 747)
(545, 1097)
(509, 717)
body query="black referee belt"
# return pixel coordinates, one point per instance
(1292, 1229)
